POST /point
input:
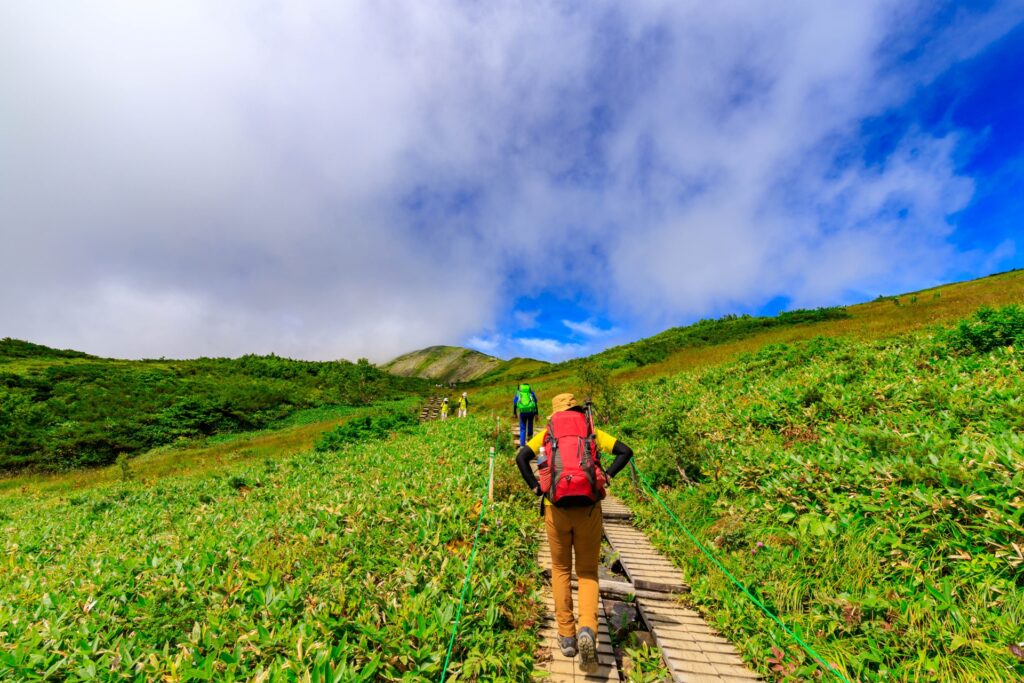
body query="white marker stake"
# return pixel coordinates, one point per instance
(490, 478)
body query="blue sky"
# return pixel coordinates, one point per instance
(325, 180)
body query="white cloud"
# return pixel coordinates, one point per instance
(550, 349)
(588, 329)
(185, 178)
(541, 348)
(489, 345)
(525, 320)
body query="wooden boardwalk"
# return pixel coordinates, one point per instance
(431, 410)
(644, 566)
(692, 650)
(562, 669)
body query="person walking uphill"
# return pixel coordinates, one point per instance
(444, 409)
(463, 405)
(525, 402)
(572, 482)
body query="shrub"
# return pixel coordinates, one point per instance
(367, 428)
(597, 384)
(811, 397)
(126, 467)
(239, 482)
(986, 330)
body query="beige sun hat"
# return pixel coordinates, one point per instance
(562, 402)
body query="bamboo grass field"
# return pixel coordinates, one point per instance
(862, 476)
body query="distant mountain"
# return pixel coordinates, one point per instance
(444, 364)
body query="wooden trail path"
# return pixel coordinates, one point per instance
(431, 410)
(692, 650)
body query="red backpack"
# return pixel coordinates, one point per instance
(572, 473)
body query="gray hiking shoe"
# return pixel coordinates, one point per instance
(567, 644)
(588, 650)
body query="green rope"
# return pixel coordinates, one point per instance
(465, 583)
(739, 585)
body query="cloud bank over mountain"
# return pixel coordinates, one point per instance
(329, 180)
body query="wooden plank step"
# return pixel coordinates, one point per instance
(691, 649)
(646, 568)
(613, 508)
(561, 669)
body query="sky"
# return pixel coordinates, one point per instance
(322, 180)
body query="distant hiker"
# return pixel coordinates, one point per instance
(525, 402)
(464, 405)
(444, 409)
(572, 514)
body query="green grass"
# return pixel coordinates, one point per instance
(868, 492)
(319, 567)
(876, 461)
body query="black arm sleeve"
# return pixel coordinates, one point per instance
(523, 458)
(622, 454)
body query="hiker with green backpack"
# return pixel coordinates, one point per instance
(525, 402)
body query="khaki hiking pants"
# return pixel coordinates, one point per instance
(578, 529)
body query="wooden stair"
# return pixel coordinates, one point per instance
(692, 650)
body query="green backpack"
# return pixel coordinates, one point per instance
(526, 403)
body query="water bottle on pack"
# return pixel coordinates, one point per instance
(542, 458)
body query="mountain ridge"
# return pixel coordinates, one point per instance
(443, 363)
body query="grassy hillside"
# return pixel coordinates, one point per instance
(320, 567)
(884, 317)
(443, 364)
(61, 409)
(861, 471)
(713, 342)
(870, 492)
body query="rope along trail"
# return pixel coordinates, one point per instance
(807, 648)
(469, 568)
(646, 484)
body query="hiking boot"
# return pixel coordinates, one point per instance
(588, 650)
(567, 644)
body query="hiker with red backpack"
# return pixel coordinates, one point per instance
(572, 483)
(525, 403)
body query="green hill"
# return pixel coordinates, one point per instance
(867, 491)
(452, 364)
(858, 470)
(64, 409)
(713, 342)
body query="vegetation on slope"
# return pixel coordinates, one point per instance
(326, 566)
(868, 492)
(709, 333)
(885, 317)
(60, 409)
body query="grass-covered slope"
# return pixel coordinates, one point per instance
(327, 566)
(870, 492)
(443, 364)
(886, 316)
(61, 409)
(712, 342)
